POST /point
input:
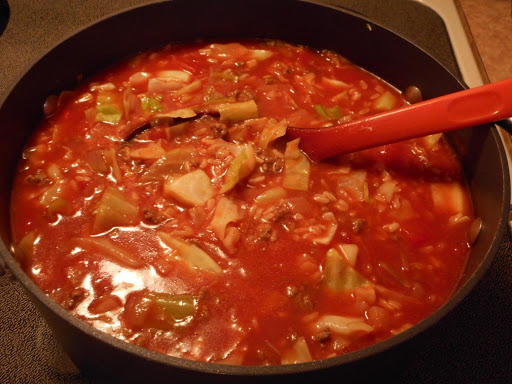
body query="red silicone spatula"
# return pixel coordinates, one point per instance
(485, 104)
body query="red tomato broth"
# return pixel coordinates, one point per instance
(271, 295)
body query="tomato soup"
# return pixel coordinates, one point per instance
(161, 202)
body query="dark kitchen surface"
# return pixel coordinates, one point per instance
(471, 345)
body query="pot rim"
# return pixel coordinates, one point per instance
(241, 370)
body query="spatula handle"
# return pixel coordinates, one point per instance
(485, 104)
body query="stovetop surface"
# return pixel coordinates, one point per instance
(473, 344)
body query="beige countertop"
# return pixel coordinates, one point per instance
(490, 22)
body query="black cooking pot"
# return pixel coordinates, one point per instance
(363, 42)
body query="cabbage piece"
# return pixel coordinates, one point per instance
(241, 167)
(59, 206)
(176, 308)
(224, 52)
(241, 111)
(152, 151)
(226, 212)
(335, 83)
(169, 80)
(339, 275)
(448, 197)
(111, 158)
(297, 167)
(109, 107)
(432, 140)
(299, 353)
(227, 75)
(327, 237)
(174, 75)
(103, 87)
(261, 54)
(138, 78)
(25, 248)
(386, 190)
(271, 132)
(105, 247)
(183, 113)
(158, 310)
(192, 87)
(97, 162)
(193, 188)
(270, 196)
(191, 253)
(152, 104)
(385, 102)
(341, 325)
(350, 252)
(114, 210)
(329, 113)
(171, 162)
(54, 202)
(355, 184)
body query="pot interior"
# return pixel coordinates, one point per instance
(363, 42)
